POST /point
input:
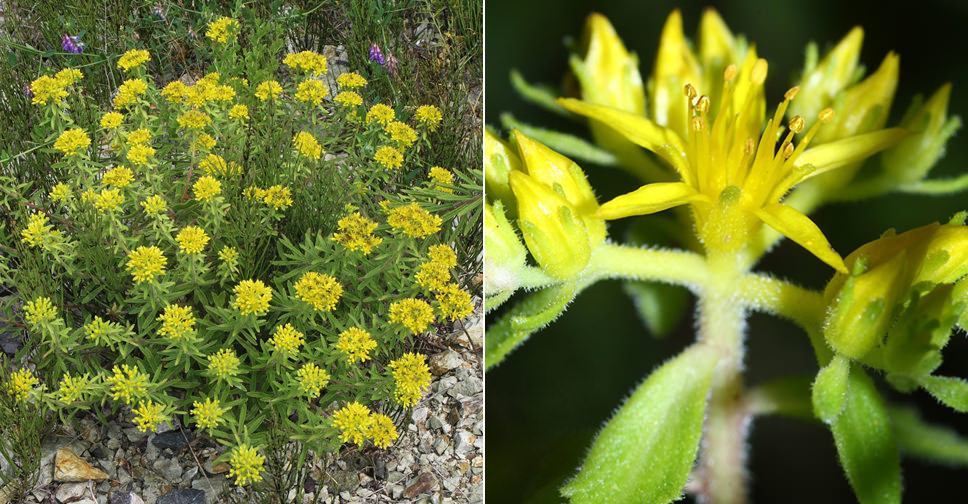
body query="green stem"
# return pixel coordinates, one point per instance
(803, 306)
(634, 263)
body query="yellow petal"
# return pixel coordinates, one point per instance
(799, 228)
(675, 66)
(866, 104)
(608, 74)
(499, 160)
(662, 141)
(822, 82)
(716, 44)
(649, 199)
(833, 155)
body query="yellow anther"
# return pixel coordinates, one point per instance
(796, 124)
(703, 104)
(826, 115)
(690, 92)
(787, 150)
(698, 123)
(729, 73)
(750, 145)
(791, 93)
(758, 75)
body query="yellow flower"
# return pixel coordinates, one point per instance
(127, 383)
(320, 290)
(252, 296)
(228, 255)
(149, 415)
(129, 92)
(442, 254)
(432, 276)
(68, 76)
(414, 314)
(191, 240)
(72, 142)
(311, 90)
(455, 303)
(268, 89)
(207, 414)
(111, 120)
(307, 145)
(205, 141)
(133, 59)
(414, 221)
(175, 91)
(39, 310)
(381, 114)
(240, 112)
(350, 80)
(109, 200)
(286, 340)
(213, 164)
(442, 176)
(411, 378)
(206, 188)
(307, 61)
(139, 136)
(145, 263)
(381, 431)
(47, 88)
(224, 363)
(140, 153)
(21, 383)
(312, 379)
(348, 98)
(194, 119)
(37, 230)
(353, 421)
(97, 330)
(279, 197)
(118, 176)
(72, 388)
(356, 344)
(401, 133)
(221, 29)
(60, 192)
(154, 205)
(429, 115)
(177, 322)
(388, 157)
(356, 233)
(246, 465)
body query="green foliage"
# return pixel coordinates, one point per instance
(537, 311)
(22, 430)
(830, 389)
(644, 453)
(952, 392)
(919, 438)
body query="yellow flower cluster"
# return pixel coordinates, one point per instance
(177, 322)
(278, 197)
(442, 176)
(358, 424)
(389, 157)
(432, 276)
(221, 29)
(213, 164)
(350, 80)
(97, 330)
(60, 192)
(443, 254)
(268, 89)
(401, 133)
(140, 153)
(154, 205)
(111, 120)
(207, 414)
(127, 383)
(205, 141)
(224, 363)
(240, 112)
(306, 61)
(381, 431)
(252, 296)
(37, 230)
(129, 92)
(175, 91)
(53, 88)
(72, 388)
(39, 310)
(312, 379)
(21, 383)
(207, 188)
(228, 255)
(192, 240)
(133, 59)
(149, 415)
(414, 221)
(348, 99)
(356, 344)
(139, 136)
(307, 145)
(411, 377)
(109, 200)
(356, 233)
(146, 262)
(246, 465)
(320, 290)
(72, 141)
(455, 303)
(311, 90)
(429, 115)
(286, 340)
(414, 314)
(381, 114)
(194, 119)
(118, 176)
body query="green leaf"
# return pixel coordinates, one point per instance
(645, 452)
(917, 438)
(536, 311)
(788, 396)
(953, 392)
(569, 145)
(865, 443)
(829, 393)
(660, 305)
(538, 95)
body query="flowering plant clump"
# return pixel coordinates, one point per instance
(732, 171)
(205, 261)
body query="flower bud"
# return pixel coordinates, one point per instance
(822, 82)
(552, 230)
(504, 255)
(499, 160)
(675, 66)
(912, 158)
(608, 74)
(914, 343)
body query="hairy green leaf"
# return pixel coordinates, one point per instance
(830, 389)
(917, 438)
(645, 452)
(536, 311)
(953, 392)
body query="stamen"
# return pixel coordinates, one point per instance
(791, 93)
(690, 92)
(698, 123)
(787, 150)
(729, 73)
(703, 104)
(796, 124)
(758, 75)
(826, 115)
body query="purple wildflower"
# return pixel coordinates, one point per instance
(29, 93)
(377, 55)
(72, 44)
(391, 64)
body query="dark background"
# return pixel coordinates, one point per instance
(547, 400)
